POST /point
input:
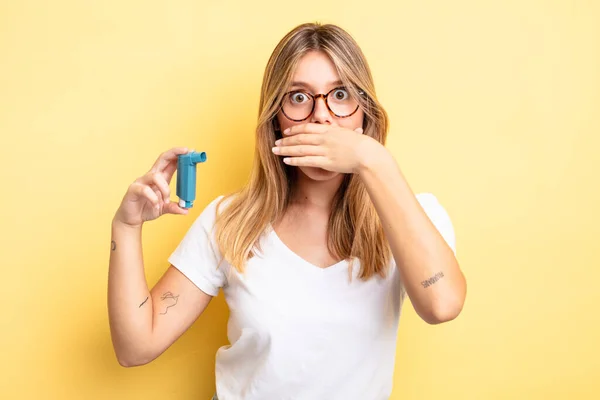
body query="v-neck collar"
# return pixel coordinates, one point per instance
(278, 242)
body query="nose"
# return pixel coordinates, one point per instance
(321, 114)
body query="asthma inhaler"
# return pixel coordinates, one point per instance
(186, 177)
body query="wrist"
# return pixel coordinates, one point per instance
(118, 224)
(372, 156)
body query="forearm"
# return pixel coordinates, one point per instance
(129, 302)
(428, 267)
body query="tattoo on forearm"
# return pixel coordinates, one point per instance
(171, 299)
(113, 245)
(144, 302)
(432, 280)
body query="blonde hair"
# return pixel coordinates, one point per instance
(354, 229)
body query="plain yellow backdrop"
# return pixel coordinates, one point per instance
(494, 107)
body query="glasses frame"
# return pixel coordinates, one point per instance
(315, 97)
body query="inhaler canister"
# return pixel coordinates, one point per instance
(186, 177)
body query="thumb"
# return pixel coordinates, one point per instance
(174, 208)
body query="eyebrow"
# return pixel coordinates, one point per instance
(308, 86)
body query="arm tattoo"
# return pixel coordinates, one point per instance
(432, 280)
(113, 245)
(143, 302)
(171, 299)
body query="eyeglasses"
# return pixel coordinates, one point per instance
(298, 105)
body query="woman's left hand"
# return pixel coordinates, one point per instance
(330, 147)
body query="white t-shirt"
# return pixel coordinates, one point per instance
(297, 331)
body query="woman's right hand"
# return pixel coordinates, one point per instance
(148, 197)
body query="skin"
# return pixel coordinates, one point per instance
(324, 148)
(304, 227)
(144, 323)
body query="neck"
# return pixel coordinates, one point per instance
(315, 194)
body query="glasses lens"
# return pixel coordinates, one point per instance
(341, 102)
(297, 105)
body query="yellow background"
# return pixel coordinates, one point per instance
(494, 107)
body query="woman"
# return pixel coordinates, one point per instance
(315, 255)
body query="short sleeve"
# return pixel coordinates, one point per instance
(197, 256)
(439, 217)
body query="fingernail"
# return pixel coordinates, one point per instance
(287, 131)
(277, 142)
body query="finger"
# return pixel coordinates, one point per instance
(162, 185)
(144, 191)
(359, 130)
(301, 139)
(307, 161)
(306, 128)
(158, 194)
(168, 157)
(300, 150)
(157, 183)
(174, 208)
(170, 170)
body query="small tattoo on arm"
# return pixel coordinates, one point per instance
(432, 280)
(113, 245)
(171, 298)
(144, 302)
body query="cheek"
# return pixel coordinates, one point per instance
(353, 122)
(285, 123)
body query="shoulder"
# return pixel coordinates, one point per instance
(216, 204)
(438, 215)
(213, 209)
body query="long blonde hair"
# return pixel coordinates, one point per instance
(355, 229)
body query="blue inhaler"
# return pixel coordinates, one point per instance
(186, 177)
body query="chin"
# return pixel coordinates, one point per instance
(318, 174)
